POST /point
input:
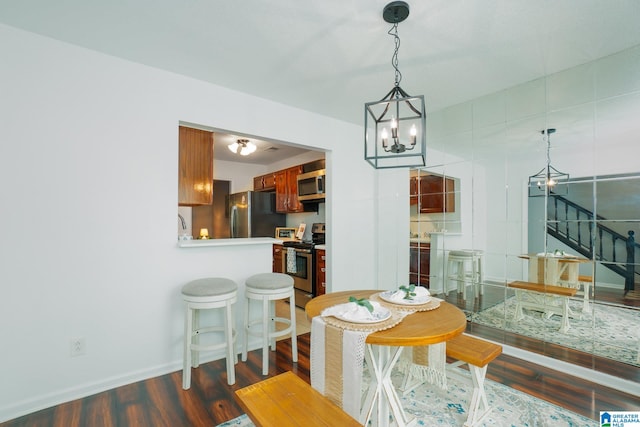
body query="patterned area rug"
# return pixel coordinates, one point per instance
(607, 331)
(432, 406)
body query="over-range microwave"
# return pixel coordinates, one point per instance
(311, 186)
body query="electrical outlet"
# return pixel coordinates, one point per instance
(77, 347)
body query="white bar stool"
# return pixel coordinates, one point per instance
(267, 288)
(464, 267)
(204, 294)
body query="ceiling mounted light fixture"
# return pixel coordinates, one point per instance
(394, 134)
(244, 147)
(549, 181)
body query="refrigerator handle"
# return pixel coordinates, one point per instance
(234, 216)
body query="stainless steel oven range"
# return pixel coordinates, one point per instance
(299, 262)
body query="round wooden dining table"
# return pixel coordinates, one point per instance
(383, 349)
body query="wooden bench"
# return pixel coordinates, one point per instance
(560, 293)
(288, 401)
(477, 353)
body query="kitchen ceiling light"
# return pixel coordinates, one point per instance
(549, 181)
(398, 115)
(243, 147)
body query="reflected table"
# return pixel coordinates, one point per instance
(550, 269)
(383, 349)
(560, 271)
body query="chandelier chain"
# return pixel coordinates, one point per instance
(548, 151)
(394, 59)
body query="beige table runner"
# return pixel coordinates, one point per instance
(424, 364)
(337, 357)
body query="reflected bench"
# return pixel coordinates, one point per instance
(535, 296)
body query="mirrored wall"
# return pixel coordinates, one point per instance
(491, 146)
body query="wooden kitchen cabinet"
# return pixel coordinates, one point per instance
(321, 272)
(414, 190)
(419, 261)
(265, 182)
(281, 191)
(287, 190)
(432, 193)
(195, 167)
(277, 259)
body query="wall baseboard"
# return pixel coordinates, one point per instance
(44, 401)
(587, 374)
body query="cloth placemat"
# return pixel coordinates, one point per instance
(396, 317)
(432, 304)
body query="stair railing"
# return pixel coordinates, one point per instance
(573, 225)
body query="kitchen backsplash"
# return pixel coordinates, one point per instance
(184, 221)
(422, 224)
(294, 220)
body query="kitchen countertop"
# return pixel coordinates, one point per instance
(200, 243)
(420, 240)
(428, 238)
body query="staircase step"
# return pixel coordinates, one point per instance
(633, 295)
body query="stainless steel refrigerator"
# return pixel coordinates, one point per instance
(253, 214)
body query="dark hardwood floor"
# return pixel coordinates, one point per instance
(161, 401)
(496, 294)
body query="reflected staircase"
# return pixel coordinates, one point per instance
(584, 232)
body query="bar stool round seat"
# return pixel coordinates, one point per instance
(267, 288)
(205, 294)
(464, 268)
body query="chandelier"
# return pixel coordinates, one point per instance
(549, 181)
(395, 126)
(243, 147)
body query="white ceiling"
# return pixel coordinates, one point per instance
(331, 56)
(267, 151)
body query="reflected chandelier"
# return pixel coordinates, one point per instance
(549, 181)
(243, 146)
(394, 134)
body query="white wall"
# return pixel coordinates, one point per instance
(88, 165)
(239, 174)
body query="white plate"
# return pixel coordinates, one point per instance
(380, 314)
(386, 295)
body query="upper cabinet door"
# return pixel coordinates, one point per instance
(281, 191)
(293, 204)
(265, 182)
(437, 194)
(414, 190)
(286, 184)
(195, 167)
